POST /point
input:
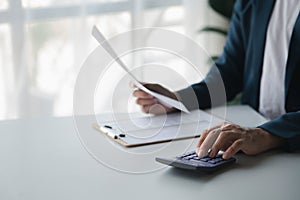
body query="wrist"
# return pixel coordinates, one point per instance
(272, 141)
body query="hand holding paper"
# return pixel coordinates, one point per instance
(169, 102)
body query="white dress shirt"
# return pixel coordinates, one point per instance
(279, 33)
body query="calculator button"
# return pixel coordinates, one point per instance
(212, 161)
(187, 154)
(218, 160)
(205, 159)
(190, 153)
(179, 157)
(189, 157)
(182, 156)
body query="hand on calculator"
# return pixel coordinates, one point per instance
(232, 138)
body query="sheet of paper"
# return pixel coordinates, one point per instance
(151, 129)
(167, 101)
(149, 122)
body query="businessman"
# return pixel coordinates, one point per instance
(261, 59)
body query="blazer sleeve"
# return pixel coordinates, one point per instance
(286, 126)
(225, 78)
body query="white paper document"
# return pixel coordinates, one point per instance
(160, 128)
(167, 101)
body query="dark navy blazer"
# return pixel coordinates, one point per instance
(240, 67)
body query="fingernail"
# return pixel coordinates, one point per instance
(201, 153)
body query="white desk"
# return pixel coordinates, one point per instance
(43, 159)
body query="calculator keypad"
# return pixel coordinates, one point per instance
(191, 161)
(193, 158)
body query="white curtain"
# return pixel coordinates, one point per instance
(44, 44)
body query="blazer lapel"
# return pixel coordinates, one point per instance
(293, 58)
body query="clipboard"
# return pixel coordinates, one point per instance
(158, 129)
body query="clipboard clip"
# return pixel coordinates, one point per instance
(108, 131)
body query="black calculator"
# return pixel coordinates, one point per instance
(191, 161)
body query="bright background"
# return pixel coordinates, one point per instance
(44, 43)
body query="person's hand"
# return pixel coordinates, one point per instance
(232, 138)
(150, 104)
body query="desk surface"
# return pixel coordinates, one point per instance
(44, 159)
